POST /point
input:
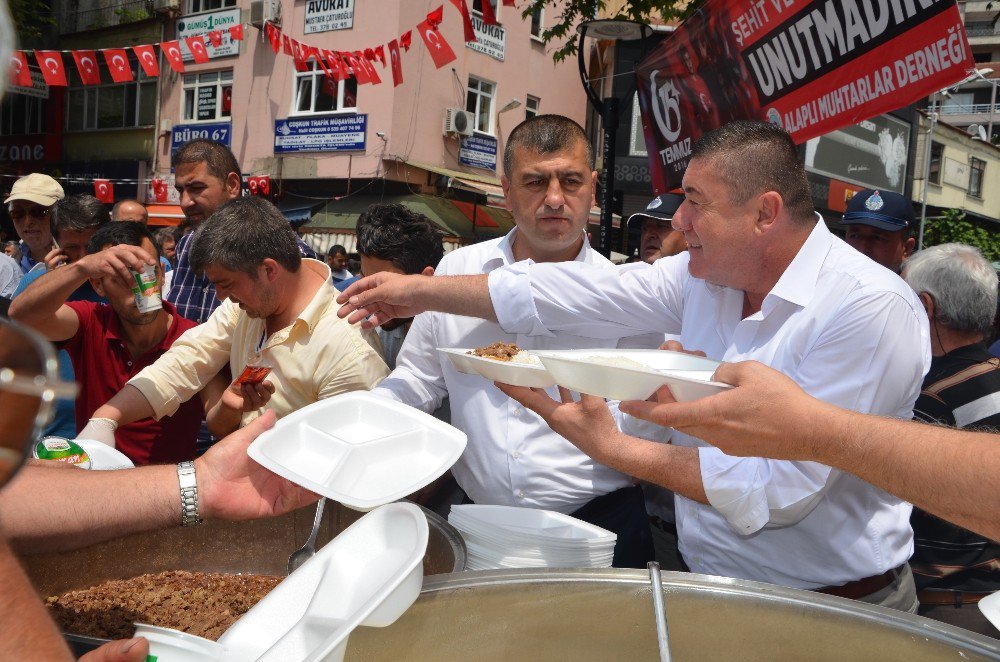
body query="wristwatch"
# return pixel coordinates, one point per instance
(189, 494)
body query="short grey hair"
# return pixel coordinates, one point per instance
(241, 234)
(961, 282)
(77, 213)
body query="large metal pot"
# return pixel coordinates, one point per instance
(608, 615)
(259, 546)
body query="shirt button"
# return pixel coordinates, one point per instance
(129, 364)
(517, 454)
(518, 411)
(521, 494)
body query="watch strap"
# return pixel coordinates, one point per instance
(189, 494)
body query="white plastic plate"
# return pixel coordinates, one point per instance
(990, 606)
(689, 377)
(505, 372)
(368, 575)
(104, 457)
(359, 449)
(176, 646)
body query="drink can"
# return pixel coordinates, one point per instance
(61, 450)
(146, 289)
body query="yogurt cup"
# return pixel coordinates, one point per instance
(60, 449)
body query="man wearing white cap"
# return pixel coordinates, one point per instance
(28, 204)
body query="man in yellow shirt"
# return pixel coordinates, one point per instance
(279, 312)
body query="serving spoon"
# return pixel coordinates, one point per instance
(304, 553)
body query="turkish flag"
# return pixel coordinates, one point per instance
(159, 190)
(470, 34)
(369, 68)
(104, 190)
(404, 40)
(273, 36)
(215, 36)
(118, 65)
(260, 185)
(435, 17)
(86, 64)
(173, 52)
(439, 49)
(286, 43)
(300, 55)
(397, 64)
(359, 70)
(489, 16)
(338, 67)
(52, 67)
(147, 58)
(19, 74)
(380, 54)
(196, 45)
(236, 32)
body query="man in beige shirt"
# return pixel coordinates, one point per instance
(279, 312)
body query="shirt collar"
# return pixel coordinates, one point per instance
(26, 262)
(502, 253)
(113, 329)
(797, 284)
(325, 296)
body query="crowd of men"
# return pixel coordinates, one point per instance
(737, 265)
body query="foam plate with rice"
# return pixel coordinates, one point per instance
(524, 370)
(631, 374)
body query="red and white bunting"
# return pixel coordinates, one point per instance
(196, 45)
(147, 58)
(159, 187)
(397, 64)
(86, 64)
(117, 59)
(19, 73)
(436, 44)
(52, 67)
(104, 190)
(259, 185)
(172, 51)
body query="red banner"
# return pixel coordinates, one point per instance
(147, 58)
(437, 46)
(19, 73)
(86, 64)
(397, 65)
(52, 67)
(118, 65)
(197, 47)
(173, 53)
(808, 66)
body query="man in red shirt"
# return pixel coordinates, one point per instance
(110, 343)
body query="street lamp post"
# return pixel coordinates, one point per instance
(611, 30)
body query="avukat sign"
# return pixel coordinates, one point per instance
(810, 66)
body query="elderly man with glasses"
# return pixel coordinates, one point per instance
(28, 204)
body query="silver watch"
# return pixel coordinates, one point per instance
(189, 494)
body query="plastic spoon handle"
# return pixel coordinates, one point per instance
(304, 553)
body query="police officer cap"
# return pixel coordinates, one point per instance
(661, 208)
(881, 209)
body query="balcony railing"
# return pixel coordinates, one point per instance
(107, 14)
(983, 32)
(970, 109)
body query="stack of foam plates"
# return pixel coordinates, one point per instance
(509, 537)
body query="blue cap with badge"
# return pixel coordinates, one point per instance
(884, 210)
(661, 208)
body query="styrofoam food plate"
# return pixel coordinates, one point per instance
(689, 377)
(533, 522)
(104, 457)
(359, 449)
(505, 372)
(176, 646)
(990, 606)
(368, 575)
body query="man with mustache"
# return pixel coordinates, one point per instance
(513, 458)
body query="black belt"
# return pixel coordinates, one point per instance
(861, 588)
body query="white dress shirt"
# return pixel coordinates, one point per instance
(512, 458)
(849, 331)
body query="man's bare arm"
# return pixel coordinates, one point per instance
(949, 473)
(126, 406)
(384, 296)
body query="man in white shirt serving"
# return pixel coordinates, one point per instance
(513, 458)
(763, 279)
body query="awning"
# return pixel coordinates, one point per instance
(467, 177)
(165, 214)
(298, 209)
(464, 220)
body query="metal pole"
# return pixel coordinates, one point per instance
(610, 121)
(993, 105)
(927, 169)
(659, 612)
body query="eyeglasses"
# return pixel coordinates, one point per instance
(29, 385)
(34, 212)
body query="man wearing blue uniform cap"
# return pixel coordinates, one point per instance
(879, 225)
(658, 238)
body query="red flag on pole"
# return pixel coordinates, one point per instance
(147, 58)
(404, 40)
(436, 44)
(236, 32)
(397, 64)
(196, 45)
(470, 34)
(273, 36)
(104, 190)
(86, 64)
(489, 16)
(118, 65)
(172, 50)
(52, 67)
(159, 190)
(19, 74)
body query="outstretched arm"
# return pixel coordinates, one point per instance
(386, 296)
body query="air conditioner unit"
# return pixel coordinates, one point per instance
(166, 6)
(262, 11)
(458, 121)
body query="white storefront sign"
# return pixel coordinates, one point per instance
(490, 39)
(202, 24)
(326, 15)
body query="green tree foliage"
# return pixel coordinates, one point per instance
(953, 227)
(561, 27)
(31, 17)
